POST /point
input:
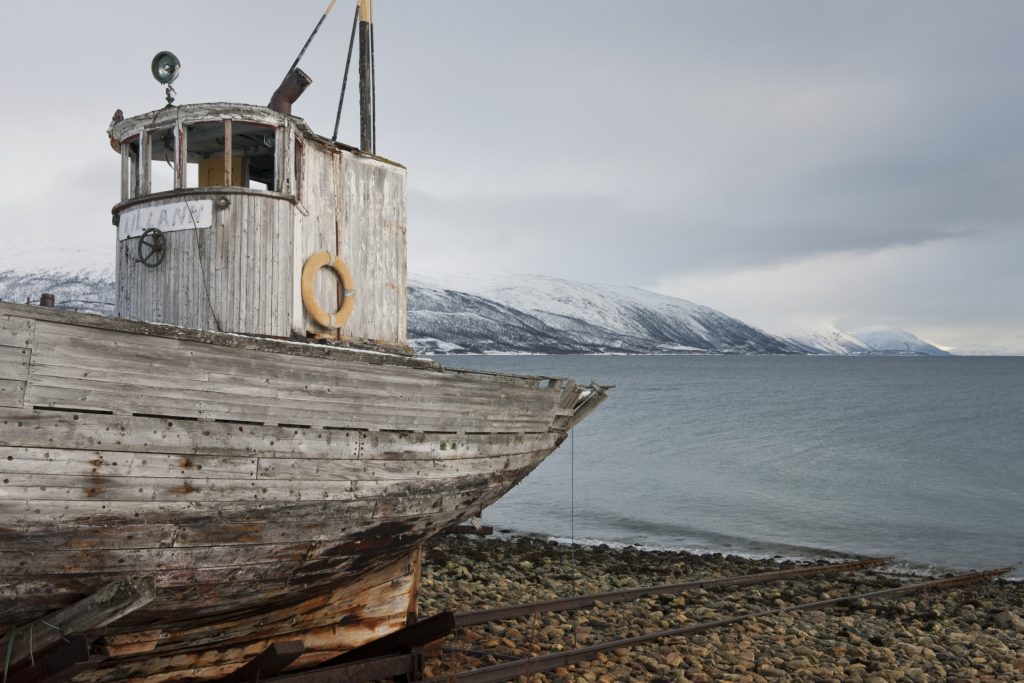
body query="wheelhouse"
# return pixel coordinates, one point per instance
(222, 205)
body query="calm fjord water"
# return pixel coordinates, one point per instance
(921, 459)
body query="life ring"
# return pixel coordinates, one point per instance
(313, 264)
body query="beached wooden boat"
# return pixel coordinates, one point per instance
(248, 466)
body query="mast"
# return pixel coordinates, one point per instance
(367, 109)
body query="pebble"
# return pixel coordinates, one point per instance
(972, 633)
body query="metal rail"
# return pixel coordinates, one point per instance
(440, 625)
(563, 604)
(498, 673)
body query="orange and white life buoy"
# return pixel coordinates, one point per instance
(313, 264)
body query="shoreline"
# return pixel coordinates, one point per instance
(971, 633)
(897, 566)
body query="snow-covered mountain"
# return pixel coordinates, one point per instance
(535, 314)
(868, 341)
(892, 342)
(830, 340)
(984, 350)
(89, 291)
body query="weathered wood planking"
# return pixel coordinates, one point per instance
(16, 336)
(330, 198)
(239, 260)
(100, 371)
(369, 607)
(333, 466)
(170, 435)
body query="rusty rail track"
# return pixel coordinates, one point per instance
(399, 655)
(438, 626)
(583, 601)
(498, 673)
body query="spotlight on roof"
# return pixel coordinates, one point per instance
(165, 67)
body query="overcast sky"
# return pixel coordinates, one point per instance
(794, 164)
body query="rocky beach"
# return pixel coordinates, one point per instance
(970, 633)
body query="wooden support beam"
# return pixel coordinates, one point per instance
(228, 161)
(412, 636)
(274, 659)
(56, 665)
(103, 607)
(356, 672)
(469, 530)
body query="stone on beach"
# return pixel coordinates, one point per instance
(967, 633)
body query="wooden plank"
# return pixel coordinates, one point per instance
(56, 350)
(106, 605)
(220, 405)
(141, 560)
(16, 331)
(38, 513)
(102, 361)
(12, 393)
(388, 469)
(39, 487)
(43, 429)
(132, 643)
(95, 463)
(269, 662)
(380, 593)
(80, 536)
(14, 362)
(372, 353)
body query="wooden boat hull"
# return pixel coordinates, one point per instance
(270, 490)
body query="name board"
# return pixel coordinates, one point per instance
(166, 217)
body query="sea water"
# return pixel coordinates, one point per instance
(919, 459)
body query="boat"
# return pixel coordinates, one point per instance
(247, 452)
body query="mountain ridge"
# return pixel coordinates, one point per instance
(537, 314)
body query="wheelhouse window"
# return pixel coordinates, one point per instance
(225, 153)
(130, 168)
(256, 145)
(163, 150)
(205, 154)
(299, 154)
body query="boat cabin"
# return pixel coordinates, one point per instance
(239, 218)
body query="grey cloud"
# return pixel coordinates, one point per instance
(597, 140)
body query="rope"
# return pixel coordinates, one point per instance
(310, 39)
(202, 268)
(344, 80)
(572, 528)
(10, 648)
(55, 628)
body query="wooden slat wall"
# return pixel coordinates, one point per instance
(247, 260)
(252, 256)
(357, 209)
(16, 335)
